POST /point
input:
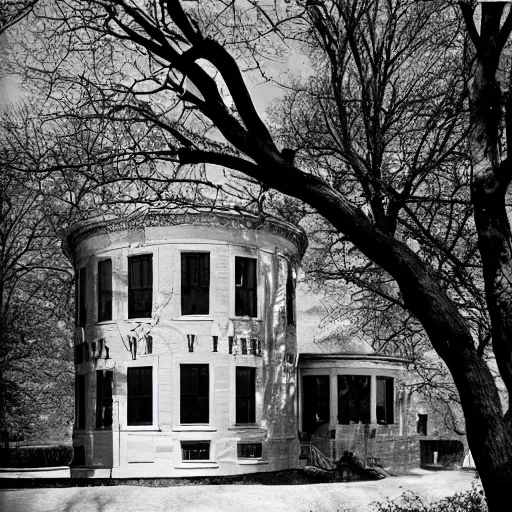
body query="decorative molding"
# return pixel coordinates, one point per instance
(234, 221)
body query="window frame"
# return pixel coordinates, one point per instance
(249, 443)
(183, 255)
(368, 410)
(81, 297)
(132, 313)
(102, 316)
(251, 397)
(153, 408)
(191, 442)
(101, 400)
(182, 366)
(389, 401)
(80, 405)
(254, 307)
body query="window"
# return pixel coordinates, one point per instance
(104, 399)
(80, 308)
(195, 283)
(422, 424)
(290, 297)
(194, 393)
(245, 395)
(80, 402)
(140, 395)
(195, 450)
(245, 287)
(249, 450)
(353, 399)
(385, 401)
(316, 398)
(104, 290)
(140, 286)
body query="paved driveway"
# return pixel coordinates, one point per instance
(245, 498)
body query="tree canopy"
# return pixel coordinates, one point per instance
(394, 132)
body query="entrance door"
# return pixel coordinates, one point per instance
(315, 405)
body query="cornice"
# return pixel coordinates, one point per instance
(232, 221)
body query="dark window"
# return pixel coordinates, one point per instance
(104, 399)
(245, 395)
(290, 297)
(245, 287)
(422, 424)
(80, 307)
(104, 290)
(79, 353)
(140, 395)
(80, 402)
(249, 450)
(195, 450)
(316, 402)
(385, 401)
(195, 283)
(194, 393)
(353, 399)
(140, 286)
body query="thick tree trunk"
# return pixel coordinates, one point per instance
(488, 431)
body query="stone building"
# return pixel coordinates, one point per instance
(187, 361)
(359, 401)
(185, 345)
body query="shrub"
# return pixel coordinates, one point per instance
(36, 457)
(469, 501)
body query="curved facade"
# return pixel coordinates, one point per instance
(185, 345)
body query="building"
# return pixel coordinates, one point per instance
(187, 361)
(185, 345)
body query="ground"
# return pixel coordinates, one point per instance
(247, 498)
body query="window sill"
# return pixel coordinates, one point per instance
(105, 322)
(195, 318)
(197, 464)
(140, 428)
(251, 428)
(247, 318)
(144, 320)
(194, 428)
(251, 462)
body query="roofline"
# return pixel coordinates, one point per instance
(82, 230)
(310, 356)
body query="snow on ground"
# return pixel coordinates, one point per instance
(232, 498)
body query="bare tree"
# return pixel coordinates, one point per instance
(177, 71)
(13, 11)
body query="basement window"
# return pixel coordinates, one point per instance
(195, 283)
(245, 287)
(249, 450)
(353, 399)
(195, 450)
(385, 401)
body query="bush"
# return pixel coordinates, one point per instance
(36, 457)
(469, 501)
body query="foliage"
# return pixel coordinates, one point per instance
(36, 457)
(469, 501)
